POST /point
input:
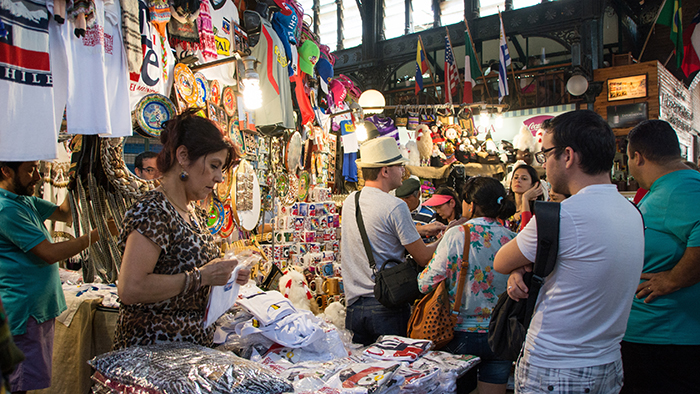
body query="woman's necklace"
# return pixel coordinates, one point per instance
(173, 202)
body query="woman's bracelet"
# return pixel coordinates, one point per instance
(188, 282)
(193, 281)
(197, 279)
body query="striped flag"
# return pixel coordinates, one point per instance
(421, 66)
(503, 63)
(471, 69)
(671, 15)
(691, 47)
(451, 73)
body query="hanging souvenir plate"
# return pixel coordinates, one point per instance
(246, 195)
(203, 89)
(223, 189)
(236, 134)
(282, 184)
(304, 183)
(227, 228)
(215, 217)
(214, 92)
(151, 111)
(293, 152)
(213, 112)
(186, 84)
(229, 100)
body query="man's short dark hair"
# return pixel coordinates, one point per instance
(138, 162)
(13, 165)
(655, 140)
(371, 173)
(587, 134)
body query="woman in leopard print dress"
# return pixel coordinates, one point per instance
(169, 257)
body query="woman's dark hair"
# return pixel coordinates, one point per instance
(199, 135)
(448, 191)
(535, 178)
(531, 170)
(489, 195)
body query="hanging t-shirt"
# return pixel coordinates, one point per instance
(223, 14)
(91, 74)
(26, 84)
(156, 74)
(274, 80)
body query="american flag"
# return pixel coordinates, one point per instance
(451, 73)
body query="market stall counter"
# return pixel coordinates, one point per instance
(90, 333)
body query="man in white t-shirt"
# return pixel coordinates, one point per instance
(573, 342)
(391, 233)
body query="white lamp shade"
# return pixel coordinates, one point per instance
(577, 85)
(372, 98)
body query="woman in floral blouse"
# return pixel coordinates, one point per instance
(483, 202)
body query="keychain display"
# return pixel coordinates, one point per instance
(247, 195)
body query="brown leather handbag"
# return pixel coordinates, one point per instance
(432, 317)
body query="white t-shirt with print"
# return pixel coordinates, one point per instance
(582, 309)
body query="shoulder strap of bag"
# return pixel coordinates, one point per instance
(363, 232)
(462, 270)
(547, 216)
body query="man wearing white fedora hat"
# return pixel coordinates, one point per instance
(391, 233)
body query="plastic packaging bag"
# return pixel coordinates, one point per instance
(222, 298)
(185, 368)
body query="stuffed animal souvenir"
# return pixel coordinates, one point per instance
(293, 286)
(335, 313)
(424, 142)
(413, 153)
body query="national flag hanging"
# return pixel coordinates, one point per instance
(421, 66)
(691, 47)
(672, 16)
(471, 69)
(503, 63)
(451, 73)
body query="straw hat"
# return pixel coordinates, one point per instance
(380, 152)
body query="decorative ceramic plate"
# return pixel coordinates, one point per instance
(151, 111)
(236, 134)
(293, 152)
(215, 92)
(227, 228)
(282, 184)
(229, 100)
(215, 217)
(304, 183)
(186, 84)
(223, 189)
(203, 89)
